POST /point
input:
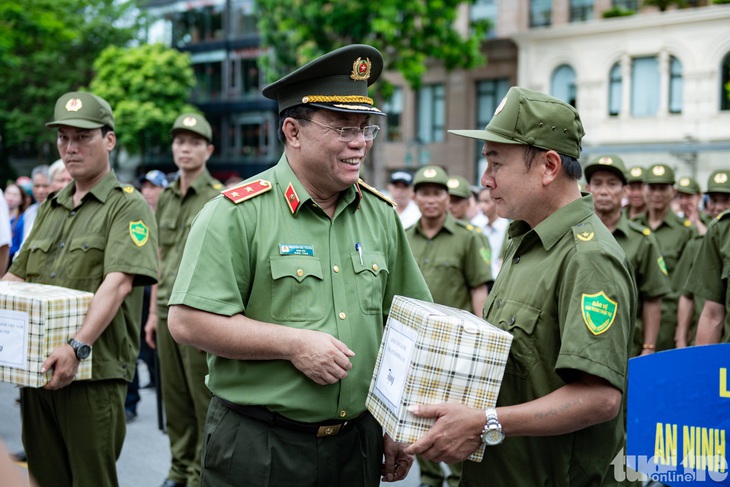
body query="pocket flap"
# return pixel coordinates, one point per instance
(86, 243)
(295, 266)
(371, 261)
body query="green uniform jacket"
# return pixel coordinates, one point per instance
(455, 261)
(711, 271)
(300, 269)
(175, 216)
(566, 293)
(112, 230)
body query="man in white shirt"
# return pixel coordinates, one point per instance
(41, 189)
(400, 188)
(495, 229)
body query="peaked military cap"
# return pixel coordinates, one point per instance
(336, 81)
(659, 174)
(610, 163)
(458, 186)
(82, 110)
(432, 175)
(193, 122)
(719, 181)
(529, 117)
(635, 174)
(688, 185)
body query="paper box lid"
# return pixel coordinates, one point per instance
(432, 354)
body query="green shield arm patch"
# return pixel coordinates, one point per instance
(139, 232)
(599, 312)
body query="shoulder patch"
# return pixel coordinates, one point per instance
(377, 193)
(217, 185)
(584, 232)
(599, 312)
(246, 191)
(128, 188)
(687, 223)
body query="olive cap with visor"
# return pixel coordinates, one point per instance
(611, 163)
(82, 110)
(195, 123)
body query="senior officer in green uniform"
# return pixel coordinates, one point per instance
(673, 234)
(566, 292)
(286, 281)
(182, 367)
(454, 260)
(606, 177)
(96, 235)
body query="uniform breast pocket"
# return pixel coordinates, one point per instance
(520, 320)
(168, 235)
(297, 288)
(37, 256)
(450, 273)
(371, 277)
(86, 257)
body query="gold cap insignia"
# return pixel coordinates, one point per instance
(361, 69)
(452, 183)
(720, 178)
(501, 105)
(658, 170)
(74, 105)
(429, 173)
(189, 122)
(636, 172)
(684, 182)
(605, 160)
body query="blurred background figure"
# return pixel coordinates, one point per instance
(151, 185)
(17, 202)
(41, 187)
(495, 229)
(59, 176)
(689, 196)
(400, 189)
(635, 192)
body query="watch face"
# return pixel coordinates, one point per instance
(83, 352)
(493, 437)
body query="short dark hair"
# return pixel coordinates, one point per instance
(571, 166)
(298, 112)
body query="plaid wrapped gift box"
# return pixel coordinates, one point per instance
(35, 319)
(432, 354)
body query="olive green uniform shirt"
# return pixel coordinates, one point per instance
(453, 262)
(566, 293)
(652, 281)
(175, 214)
(673, 234)
(711, 270)
(682, 271)
(112, 230)
(299, 269)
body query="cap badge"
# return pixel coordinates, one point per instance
(452, 183)
(658, 170)
(605, 160)
(636, 172)
(360, 69)
(684, 182)
(721, 178)
(189, 122)
(429, 173)
(500, 106)
(74, 105)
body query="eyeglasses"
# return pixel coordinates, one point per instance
(348, 134)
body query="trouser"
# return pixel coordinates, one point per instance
(186, 399)
(240, 451)
(432, 473)
(73, 436)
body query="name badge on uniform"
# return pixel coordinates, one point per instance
(296, 249)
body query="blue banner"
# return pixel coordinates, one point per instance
(679, 416)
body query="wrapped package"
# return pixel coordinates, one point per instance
(35, 319)
(432, 354)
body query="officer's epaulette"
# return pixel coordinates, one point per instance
(684, 221)
(246, 191)
(469, 226)
(725, 214)
(639, 228)
(128, 188)
(374, 191)
(583, 233)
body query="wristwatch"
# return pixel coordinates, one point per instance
(492, 433)
(81, 349)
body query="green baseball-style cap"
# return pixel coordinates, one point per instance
(193, 122)
(82, 110)
(635, 174)
(336, 81)
(458, 186)
(688, 185)
(432, 175)
(719, 181)
(529, 117)
(609, 163)
(659, 174)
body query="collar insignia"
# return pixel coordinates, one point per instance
(246, 191)
(292, 198)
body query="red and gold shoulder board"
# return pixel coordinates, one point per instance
(246, 191)
(374, 191)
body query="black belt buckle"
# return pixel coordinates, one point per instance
(329, 430)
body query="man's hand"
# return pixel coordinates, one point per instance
(397, 463)
(455, 435)
(322, 357)
(64, 363)
(150, 331)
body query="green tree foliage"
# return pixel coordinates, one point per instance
(409, 33)
(148, 87)
(47, 47)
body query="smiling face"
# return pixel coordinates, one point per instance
(432, 200)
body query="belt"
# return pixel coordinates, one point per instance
(260, 413)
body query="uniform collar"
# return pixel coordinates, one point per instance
(198, 184)
(555, 226)
(622, 225)
(449, 225)
(100, 191)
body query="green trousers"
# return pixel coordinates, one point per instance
(73, 436)
(243, 452)
(186, 398)
(433, 474)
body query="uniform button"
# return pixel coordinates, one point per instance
(85, 246)
(300, 272)
(343, 316)
(53, 274)
(336, 269)
(499, 303)
(72, 213)
(516, 260)
(343, 413)
(375, 267)
(62, 245)
(512, 320)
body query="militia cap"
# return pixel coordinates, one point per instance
(688, 185)
(195, 123)
(609, 163)
(635, 174)
(659, 174)
(337, 81)
(432, 175)
(529, 117)
(459, 186)
(719, 181)
(82, 110)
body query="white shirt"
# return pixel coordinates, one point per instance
(480, 220)
(495, 234)
(410, 214)
(28, 219)
(4, 221)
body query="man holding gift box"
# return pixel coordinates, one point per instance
(95, 235)
(285, 281)
(567, 294)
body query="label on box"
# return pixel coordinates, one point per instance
(398, 345)
(14, 339)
